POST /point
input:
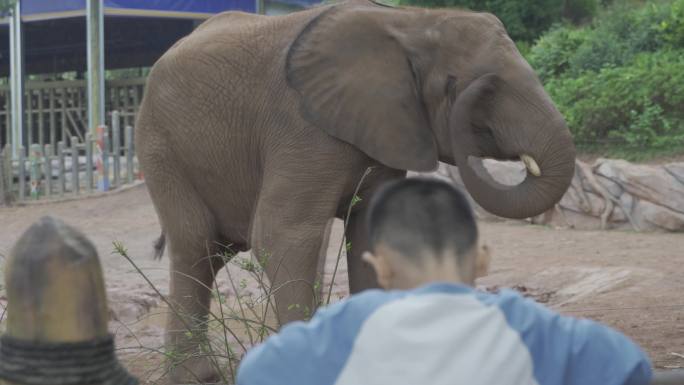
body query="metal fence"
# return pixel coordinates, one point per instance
(58, 110)
(77, 167)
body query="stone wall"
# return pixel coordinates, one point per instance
(608, 194)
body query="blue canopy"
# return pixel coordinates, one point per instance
(42, 10)
(183, 9)
(137, 32)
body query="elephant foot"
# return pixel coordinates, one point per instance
(194, 370)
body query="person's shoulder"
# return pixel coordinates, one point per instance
(590, 352)
(602, 355)
(517, 307)
(367, 300)
(332, 330)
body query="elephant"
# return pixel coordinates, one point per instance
(255, 132)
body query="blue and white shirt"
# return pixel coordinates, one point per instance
(444, 334)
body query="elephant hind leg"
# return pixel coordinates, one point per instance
(191, 237)
(193, 269)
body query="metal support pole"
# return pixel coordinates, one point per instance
(260, 7)
(95, 26)
(16, 81)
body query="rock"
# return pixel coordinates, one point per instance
(653, 195)
(652, 216)
(613, 188)
(652, 183)
(571, 202)
(676, 170)
(126, 305)
(604, 167)
(627, 201)
(508, 173)
(450, 174)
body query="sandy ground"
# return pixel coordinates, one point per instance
(631, 281)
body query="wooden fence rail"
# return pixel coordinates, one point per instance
(77, 166)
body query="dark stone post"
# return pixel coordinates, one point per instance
(57, 312)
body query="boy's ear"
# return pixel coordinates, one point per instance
(482, 260)
(382, 269)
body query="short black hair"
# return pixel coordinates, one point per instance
(418, 215)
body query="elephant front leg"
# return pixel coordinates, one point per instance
(289, 242)
(290, 259)
(361, 274)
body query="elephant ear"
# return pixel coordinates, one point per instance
(357, 84)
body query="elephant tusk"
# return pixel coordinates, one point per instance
(530, 164)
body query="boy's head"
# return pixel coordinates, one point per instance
(422, 231)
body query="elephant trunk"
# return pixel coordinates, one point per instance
(547, 152)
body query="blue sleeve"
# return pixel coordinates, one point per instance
(314, 352)
(570, 351)
(600, 355)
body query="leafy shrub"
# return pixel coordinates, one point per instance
(615, 39)
(578, 11)
(638, 104)
(525, 20)
(552, 53)
(619, 36)
(672, 29)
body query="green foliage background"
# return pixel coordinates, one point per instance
(525, 20)
(620, 79)
(614, 68)
(6, 6)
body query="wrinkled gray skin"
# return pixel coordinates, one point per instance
(254, 132)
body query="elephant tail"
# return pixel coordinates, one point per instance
(159, 246)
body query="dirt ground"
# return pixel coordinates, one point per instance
(631, 281)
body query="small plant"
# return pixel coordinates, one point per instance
(234, 327)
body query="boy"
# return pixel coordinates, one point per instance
(432, 327)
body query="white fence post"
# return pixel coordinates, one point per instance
(74, 166)
(34, 170)
(116, 147)
(89, 162)
(22, 173)
(61, 169)
(47, 169)
(129, 154)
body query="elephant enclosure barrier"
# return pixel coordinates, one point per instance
(76, 167)
(57, 110)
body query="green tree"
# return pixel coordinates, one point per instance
(524, 19)
(6, 6)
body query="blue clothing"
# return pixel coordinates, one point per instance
(444, 334)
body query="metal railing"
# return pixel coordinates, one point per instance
(77, 167)
(58, 110)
